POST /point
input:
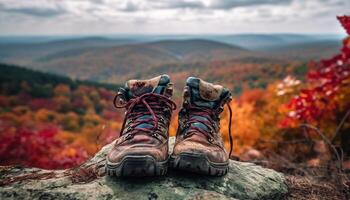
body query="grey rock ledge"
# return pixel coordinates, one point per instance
(244, 181)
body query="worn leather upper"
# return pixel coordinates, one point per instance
(199, 121)
(145, 131)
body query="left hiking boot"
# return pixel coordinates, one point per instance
(142, 148)
(199, 146)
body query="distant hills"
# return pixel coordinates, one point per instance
(112, 62)
(117, 58)
(13, 77)
(174, 50)
(200, 50)
(307, 50)
(266, 41)
(32, 50)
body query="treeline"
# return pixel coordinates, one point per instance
(12, 78)
(239, 74)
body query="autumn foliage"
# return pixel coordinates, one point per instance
(324, 100)
(58, 123)
(39, 148)
(59, 126)
(276, 113)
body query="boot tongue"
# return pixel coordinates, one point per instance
(204, 94)
(158, 85)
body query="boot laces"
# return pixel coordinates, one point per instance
(206, 117)
(147, 104)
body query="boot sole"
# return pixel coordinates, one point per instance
(136, 165)
(198, 163)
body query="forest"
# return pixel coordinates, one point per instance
(298, 124)
(51, 121)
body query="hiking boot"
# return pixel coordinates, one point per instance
(142, 148)
(199, 146)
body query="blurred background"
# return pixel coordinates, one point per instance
(285, 62)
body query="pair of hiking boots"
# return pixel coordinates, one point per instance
(142, 148)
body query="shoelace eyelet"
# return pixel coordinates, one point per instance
(148, 101)
(185, 135)
(128, 136)
(155, 135)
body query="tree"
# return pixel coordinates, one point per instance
(324, 103)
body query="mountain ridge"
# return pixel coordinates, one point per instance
(118, 63)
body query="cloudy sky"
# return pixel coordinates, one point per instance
(51, 17)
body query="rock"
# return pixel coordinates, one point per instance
(244, 181)
(251, 154)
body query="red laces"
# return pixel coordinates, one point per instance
(196, 116)
(147, 104)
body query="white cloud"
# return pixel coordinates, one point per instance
(169, 16)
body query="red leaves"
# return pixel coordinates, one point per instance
(345, 22)
(105, 94)
(325, 80)
(36, 104)
(59, 131)
(38, 149)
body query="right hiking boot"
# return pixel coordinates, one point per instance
(199, 146)
(142, 148)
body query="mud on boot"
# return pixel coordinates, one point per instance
(199, 147)
(142, 148)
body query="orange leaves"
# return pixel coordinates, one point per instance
(61, 131)
(62, 90)
(252, 96)
(245, 127)
(174, 124)
(45, 116)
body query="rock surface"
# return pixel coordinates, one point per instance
(244, 181)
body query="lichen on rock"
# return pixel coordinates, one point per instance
(244, 181)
